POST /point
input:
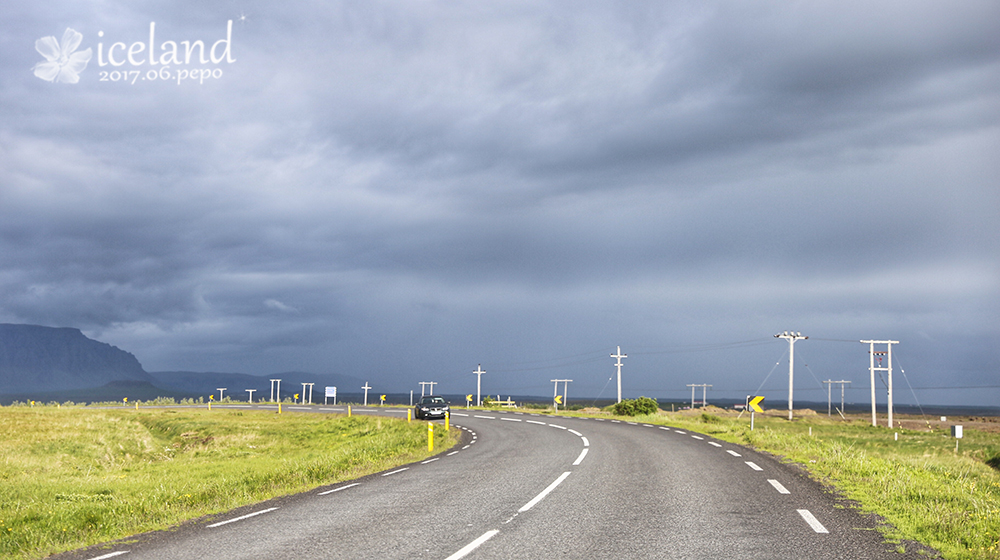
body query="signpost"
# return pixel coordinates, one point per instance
(753, 403)
(331, 393)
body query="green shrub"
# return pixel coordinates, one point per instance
(636, 407)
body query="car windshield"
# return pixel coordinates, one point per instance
(432, 400)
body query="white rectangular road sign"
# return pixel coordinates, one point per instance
(331, 392)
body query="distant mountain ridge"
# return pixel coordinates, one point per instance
(36, 358)
(59, 362)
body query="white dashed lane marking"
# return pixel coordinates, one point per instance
(712, 443)
(242, 517)
(733, 453)
(812, 521)
(339, 489)
(777, 486)
(753, 466)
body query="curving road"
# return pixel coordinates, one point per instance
(534, 486)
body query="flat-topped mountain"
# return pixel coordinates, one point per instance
(35, 358)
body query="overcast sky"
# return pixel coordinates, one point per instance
(400, 191)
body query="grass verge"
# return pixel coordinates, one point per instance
(73, 477)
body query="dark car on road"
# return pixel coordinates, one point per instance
(431, 407)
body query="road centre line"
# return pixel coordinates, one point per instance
(339, 489)
(458, 414)
(429, 460)
(647, 425)
(582, 455)
(753, 465)
(586, 442)
(712, 443)
(535, 422)
(777, 486)
(697, 437)
(812, 521)
(242, 517)
(298, 408)
(558, 426)
(733, 453)
(511, 419)
(576, 433)
(534, 501)
(680, 432)
(486, 417)
(332, 409)
(397, 471)
(632, 423)
(454, 452)
(110, 555)
(664, 428)
(465, 550)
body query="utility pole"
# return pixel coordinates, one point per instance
(250, 400)
(220, 390)
(272, 389)
(479, 383)
(872, 369)
(366, 387)
(791, 337)
(829, 386)
(424, 383)
(555, 391)
(704, 390)
(618, 365)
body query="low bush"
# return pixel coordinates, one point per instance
(636, 407)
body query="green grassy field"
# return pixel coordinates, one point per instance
(922, 488)
(72, 477)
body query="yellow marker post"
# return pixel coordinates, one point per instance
(348, 411)
(430, 436)
(279, 407)
(409, 416)
(137, 405)
(447, 416)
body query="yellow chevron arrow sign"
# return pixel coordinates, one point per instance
(755, 404)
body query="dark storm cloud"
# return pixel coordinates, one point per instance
(397, 191)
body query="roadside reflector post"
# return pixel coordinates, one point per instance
(956, 432)
(279, 407)
(137, 405)
(751, 420)
(409, 416)
(348, 411)
(430, 436)
(447, 417)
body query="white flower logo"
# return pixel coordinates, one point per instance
(62, 64)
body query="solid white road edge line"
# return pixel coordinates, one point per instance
(242, 517)
(582, 455)
(110, 555)
(812, 521)
(339, 489)
(544, 493)
(777, 486)
(465, 550)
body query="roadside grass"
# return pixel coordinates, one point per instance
(73, 477)
(922, 488)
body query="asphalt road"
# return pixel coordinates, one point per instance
(534, 486)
